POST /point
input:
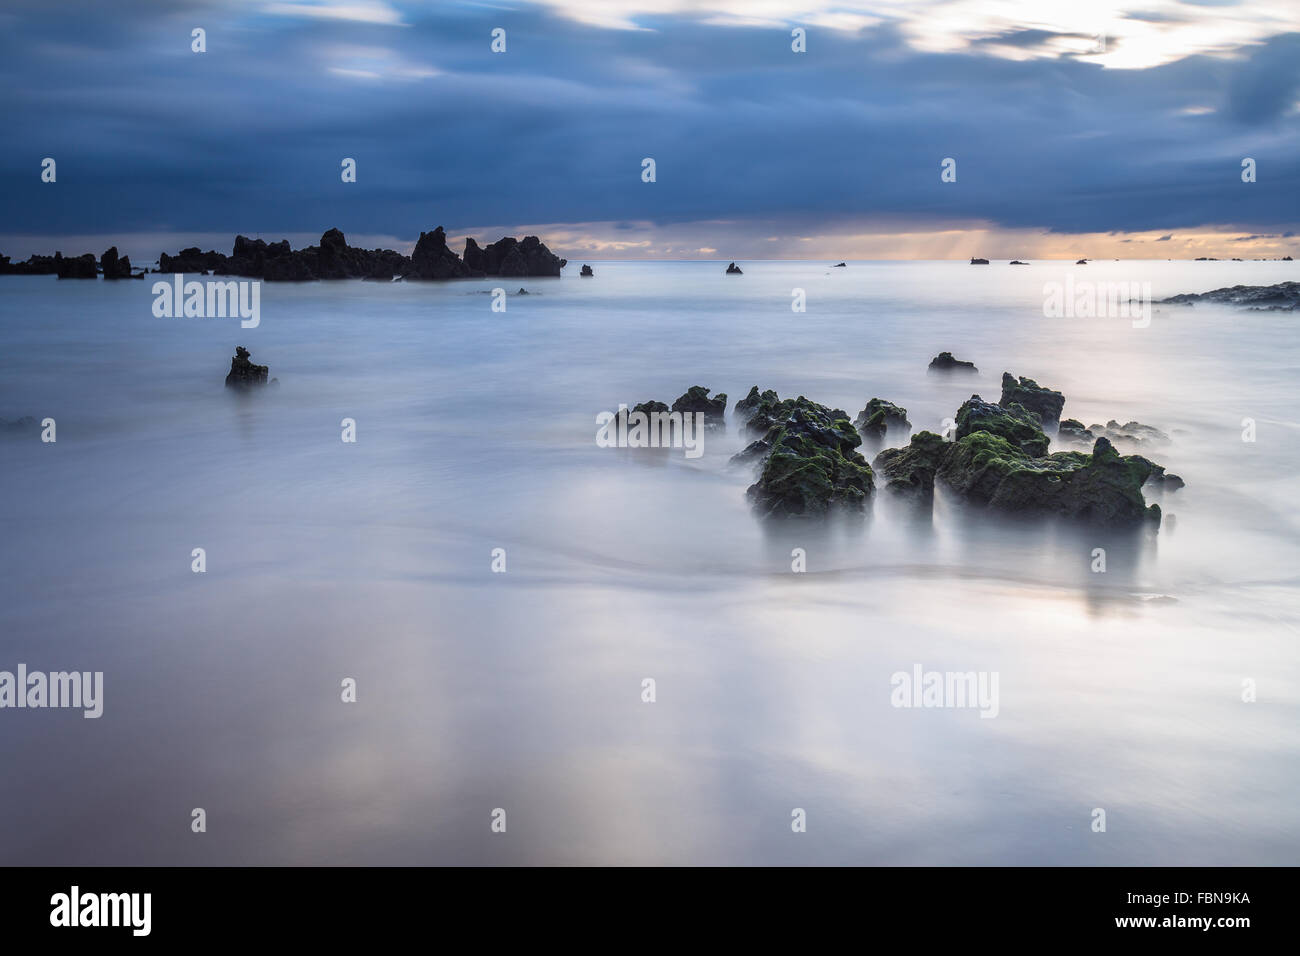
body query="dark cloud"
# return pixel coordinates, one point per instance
(249, 136)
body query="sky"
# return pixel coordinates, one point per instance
(1097, 128)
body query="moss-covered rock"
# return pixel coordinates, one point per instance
(1014, 423)
(879, 416)
(1103, 488)
(697, 399)
(909, 471)
(1044, 402)
(810, 465)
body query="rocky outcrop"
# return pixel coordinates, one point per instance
(978, 262)
(944, 362)
(734, 270)
(878, 417)
(194, 261)
(586, 272)
(1072, 430)
(1133, 433)
(809, 465)
(697, 399)
(433, 260)
(1017, 262)
(82, 267)
(1044, 402)
(840, 265)
(1013, 423)
(1103, 489)
(1082, 262)
(113, 267)
(1283, 297)
(909, 472)
(243, 373)
(530, 258)
(34, 266)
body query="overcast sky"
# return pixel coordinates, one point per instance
(1083, 128)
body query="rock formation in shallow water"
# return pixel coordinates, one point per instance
(1283, 297)
(1013, 423)
(243, 373)
(908, 472)
(878, 417)
(113, 267)
(734, 270)
(82, 267)
(586, 271)
(978, 262)
(944, 362)
(1044, 402)
(809, 465)
(697, 399)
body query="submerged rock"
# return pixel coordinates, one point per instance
(1044, 402)
(17, 426)
(1013, 423)
(1072, 430)
(944, 362)
(697, 399)
(810, 463)
(1283, 297)
(734, 270)
(243, 373)
(878, 417)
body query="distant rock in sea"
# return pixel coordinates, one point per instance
(1283, 297)
(586, 271)
(82, 267)
(333, 258)
(734, 270)
(243, 373)
(17, 426)
(115, 268)
(1017, 262)
(696, 399)
(1082, 262)
(944, 362)
(840, 265)
(978, 262)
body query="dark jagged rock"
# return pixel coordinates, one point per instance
(193, 261)
(975, 261)
(1082, 262)
(909, 471)
(879, 416)
(34, 266)
(650, 408)
(1013, 423)
(944, 362)
(113, 267)
(1017, 262)
(1044, 402)
(1283, 297)
(840, 265)
(475, 258)
(1072, 430)
(1103, 488)
(697, 399)
(810, 463)
(433, 260)
(243, 373)
(287, 269)
(82, 267)
(734, 270)
(748, 407)
(586, 272)
(531, 258)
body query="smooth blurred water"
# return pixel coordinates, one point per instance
(476, 430)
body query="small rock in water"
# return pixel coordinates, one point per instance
(944, 362)
(734, 270)
(978, 262)
(243, 373)
(697, 399)
(586, 271)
